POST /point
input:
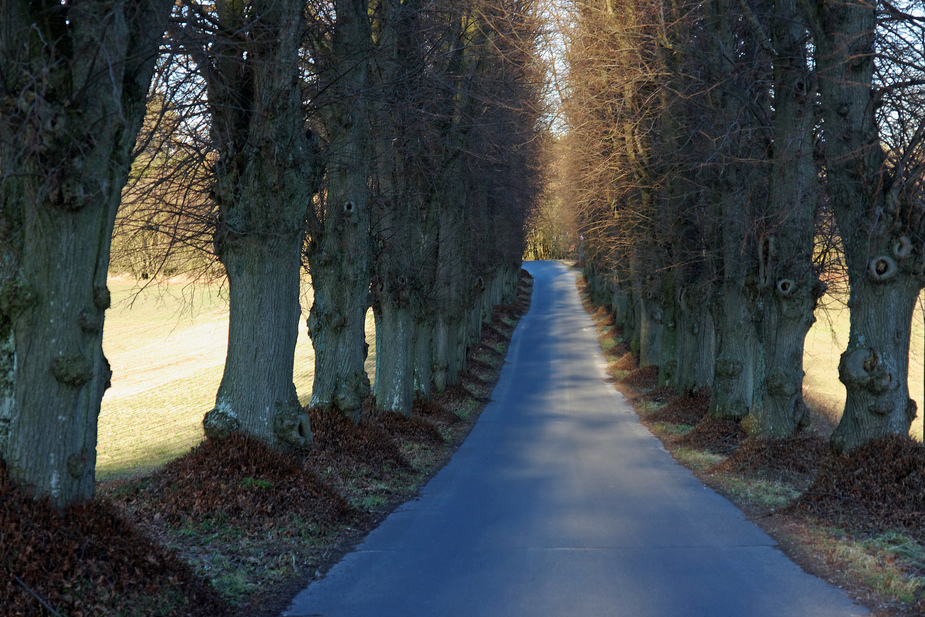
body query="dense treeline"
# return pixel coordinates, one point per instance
(711, 146)
(391, 149)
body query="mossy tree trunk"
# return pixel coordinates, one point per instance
(73, 85)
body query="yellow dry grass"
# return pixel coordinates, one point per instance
(166, 345)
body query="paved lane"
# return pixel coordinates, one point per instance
(561, 504)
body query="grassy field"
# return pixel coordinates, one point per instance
(167, 345)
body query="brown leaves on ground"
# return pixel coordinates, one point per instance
(718, 436)
(627, 362)
(88, 560)
(797, 457)
(342, 444)
(492, 336)
(244, 480)
(687, 410)
(434, 411)
(453, 396)
(642, 378)
(415, 429)
(876, 486)
(604, 318)
(661, 394)
(619, 350)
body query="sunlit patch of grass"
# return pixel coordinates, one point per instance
(766, 494)
(891, 564)
(147, 428)
(666, 428)
(697, 460)
(644, 408)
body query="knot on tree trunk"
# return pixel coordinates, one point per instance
(102, 299)
(656, 314)
(71, 370)
(77, 464)
(902, 247)
(90, 322)
(780, 384)
(726, 367)
(292, 426)
(786, 287)
(220, 422)
(866, 369)
(881, 269)
(16, 297)
(352, 391)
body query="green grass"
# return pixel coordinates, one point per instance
(697, 460)
(887, 563)
(766, 494)
(166, 345)
(665, 428)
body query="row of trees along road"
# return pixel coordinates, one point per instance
(389, 147)
(711, 145)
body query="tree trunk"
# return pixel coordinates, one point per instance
(651, 328)
(696, 345)
(396, 324)
(256, 394)
(738, 355)
(423, 359)
(266, 176)
(340, 251)
(73, 85)
(668, 356)
(788, 286)
(880, 231)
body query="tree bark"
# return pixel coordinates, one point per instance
(265, 177)
(788, 285)
(738, 354)
(256, 394)
(396, 323)
(73, 85)
(880, 233)
(340, 252)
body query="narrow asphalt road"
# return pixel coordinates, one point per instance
(561, 504)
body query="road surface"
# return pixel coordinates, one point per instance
(561, 504)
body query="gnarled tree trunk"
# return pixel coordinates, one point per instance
(265, 178)
(340, 252)
(880, 231)
(73, 84)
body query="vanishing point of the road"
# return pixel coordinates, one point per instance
(561, 504)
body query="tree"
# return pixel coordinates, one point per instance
(266, 172)
(875, 188)
(340, 251)
(73, 83)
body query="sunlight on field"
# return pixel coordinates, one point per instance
(824, 345)
(166, 345)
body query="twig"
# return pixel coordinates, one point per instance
(35, 595)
